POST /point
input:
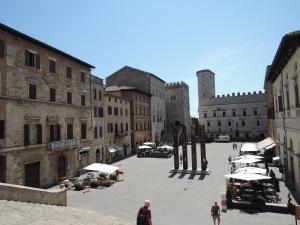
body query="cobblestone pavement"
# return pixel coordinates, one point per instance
(175, 200)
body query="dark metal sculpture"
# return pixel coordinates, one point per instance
(184, 149)
(194, 153)
(176, 157)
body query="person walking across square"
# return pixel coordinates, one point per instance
(215, 213)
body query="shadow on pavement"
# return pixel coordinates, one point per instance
(202, 176)
(182, 175)
(192, 176)
(172, 175)
(250, 211)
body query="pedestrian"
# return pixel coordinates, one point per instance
(229, 159)
(117, 174)
(144, 214)
(180, 157)
(267, 167)
(215, 213)
(233, 146)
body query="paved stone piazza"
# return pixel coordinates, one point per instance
(175, 200)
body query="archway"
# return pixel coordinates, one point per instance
(61, 166)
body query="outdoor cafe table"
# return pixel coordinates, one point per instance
(267, 185)
(246, 197)
(270, 191)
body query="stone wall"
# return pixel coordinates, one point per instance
(13, 192)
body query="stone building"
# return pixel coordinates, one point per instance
(117, 127)
(151, 84)
(139, 112)
(97, 153)
(45, 116)
(282, 86)
(242, 116)
(178, 105)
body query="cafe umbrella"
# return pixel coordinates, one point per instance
(247, 176)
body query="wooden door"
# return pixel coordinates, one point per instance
(2, 169)
(61, 167)
(32, 174)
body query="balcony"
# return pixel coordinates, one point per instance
(58, 145)
(120, 134)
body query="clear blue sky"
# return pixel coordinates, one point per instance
(170, 38)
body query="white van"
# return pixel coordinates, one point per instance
(222, 138)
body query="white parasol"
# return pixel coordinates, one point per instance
(103, 168)
(144, 147)
(249, 157)
(247, 176)
(246, 160)
(251, 170)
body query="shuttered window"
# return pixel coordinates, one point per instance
(26, 134)
(280, 103)
(32, 134)
(100, 95)
(69, 72)
(32, 59)
(100, 112)
(82, 77)
(69, 131)
(52, 66)
(83, 131)
(1, 49)
(39, 137)
(95, 94)
(54, 132)
(82, 100)
(2, 129)
(100, 132)
(95, 132)
(297, 102)
(32, 91)
(69, 98)
(95, 112)
(52, 95)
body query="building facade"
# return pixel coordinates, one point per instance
(139, 112)
(282, 85)
(177, 105)
(98, 151)
(117, 125)
(242, 116)
(45, 117)
(151, 84)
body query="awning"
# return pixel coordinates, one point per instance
(111, 149)
(119, 148)
(144, 147)
(276, 158)
(246, 161)
(249, 157)
(166, 147)
(265, 143)
(254, 170)
(84, 150)
(247, 176)
(249, 147)
(103, 168)
(271, 146)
